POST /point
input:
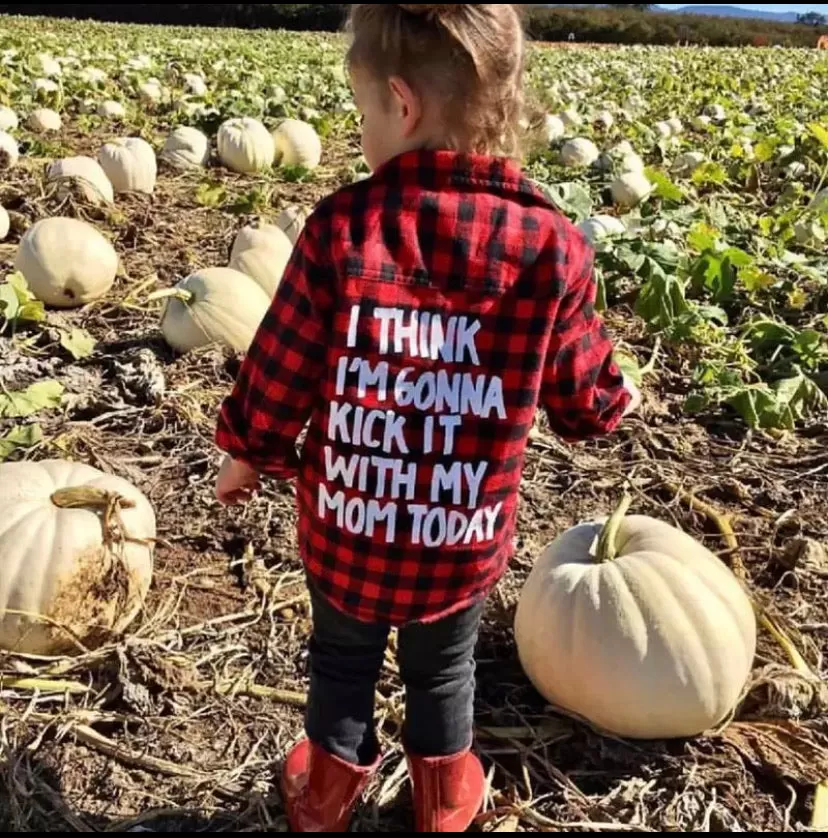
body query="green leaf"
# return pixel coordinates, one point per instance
(661, 300)
(664, 187)
(21, 437)
(765, 151)
(755, 279)
(9, 304)
(211, 195)
(573, 199)
(45, 395)
(629, 366)
(703, 237)
(78, 343)
(821, 133)
(710, 174)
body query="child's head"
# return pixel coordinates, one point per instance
(442, 76)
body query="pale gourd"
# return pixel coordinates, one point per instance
(291, 222)
(554, 128)
(9, 151)
(8, 119)
(246, 146)
(717, 113)
(213, 306)
(297, 144)
(110, 109)
(687, 163)
(604, 120)
(5, 224)
(48, 65)
(86, 174)
(676, 126)
(45, 120)
(602, 227)
(579, 153)
(571, 118)
(66, 262)
(630, 189)
(195, 84)
(664, 130)
(130, 164)
(637, 628)
(150, 92)
(702, 122)
(262, 253)
(76, 553)
(186, 148)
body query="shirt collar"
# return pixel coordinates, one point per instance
(435, 170)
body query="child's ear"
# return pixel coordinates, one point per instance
(407, 105)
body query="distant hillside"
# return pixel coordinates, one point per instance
(735, 11)
(706, 11)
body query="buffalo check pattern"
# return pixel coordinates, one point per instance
(454, 235)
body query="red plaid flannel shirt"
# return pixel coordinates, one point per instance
(425, 314)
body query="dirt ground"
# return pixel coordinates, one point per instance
(181, 726)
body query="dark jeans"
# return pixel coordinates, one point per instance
(436, 662)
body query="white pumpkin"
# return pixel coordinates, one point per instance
(67, 263)
(262, 253)
(631, 163)
(245, 145)
(93, 76)
(195, 84)
(604, 120)
(297, 144)
(630, 189)
(76, 551)
(717, 113)
(601, 227)
(213, 306)
(553, 128)
(571, 118)
(9, 151)
(48, 65)
(43, 88)
(111, 109)
(44, 120)
(130, 164)
(676, 126)
(579, 153)
(8, 119)
(5, 223)
(87, 174)
(151, 92)
(702, 122)
(649, 637)
(291, 222)
(687, 163)
(664, 130)
(186, 148)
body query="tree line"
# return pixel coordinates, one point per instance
(619, 24)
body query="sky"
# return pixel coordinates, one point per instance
(767, 7)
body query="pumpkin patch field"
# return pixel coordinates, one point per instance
(153, 182)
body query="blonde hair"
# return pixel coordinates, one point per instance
(470, 55)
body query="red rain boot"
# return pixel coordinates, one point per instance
(448, 791)
(320, 790)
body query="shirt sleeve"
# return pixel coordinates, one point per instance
(285, 366)
(583, 389)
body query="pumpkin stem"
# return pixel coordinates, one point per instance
(180, 294)
(85, 497)
(607, 542)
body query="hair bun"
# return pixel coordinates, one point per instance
(434, 12)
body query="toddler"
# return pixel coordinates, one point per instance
(425, 314)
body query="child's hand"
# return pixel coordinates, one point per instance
(236, 483)
(633, 390)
